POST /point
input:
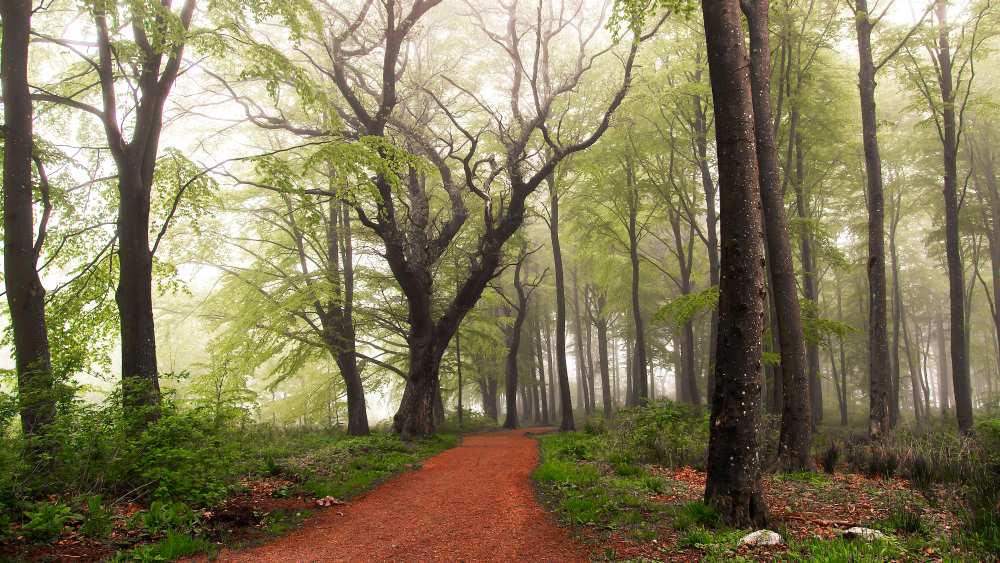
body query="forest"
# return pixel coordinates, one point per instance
(500, 280)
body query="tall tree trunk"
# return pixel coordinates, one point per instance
(458, 369)
(602, 351)
(711, 222)
(795, 437)
(591, 383)
(914, 369)
(843, 358)
(25, 294)
(639, 379)
(140, 379)
(539, 359)
(616, 394)
(513, 346)
(341, 316)
(553, 388)
(415, 415)
(878, 342)
(565, 398)
(583, 395)
(956, 272)
(944, 377)
(733, 485)
(810, 291)
(897, 307)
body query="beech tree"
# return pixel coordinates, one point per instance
(159, 34)
(734, 464)
(25, 293)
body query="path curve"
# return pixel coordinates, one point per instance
(474, 502)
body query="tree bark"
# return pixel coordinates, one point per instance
(795, 437)
(711, 223)
(733, 484)
(565, 400)
(897, 307)
(956, 272)
(944, 377)
(539, 359)
(810, 291)
(878, 342)
(25, 294)
(640, 377)
(583, 396)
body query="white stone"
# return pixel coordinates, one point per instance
(761, 537)
(867, 534)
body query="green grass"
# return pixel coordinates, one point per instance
(901, 521)
(583, 488)
(695, 514)
(809, 477)
(351, 466)
(841, 550)
(173, 546)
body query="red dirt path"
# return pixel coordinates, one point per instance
(472, 503)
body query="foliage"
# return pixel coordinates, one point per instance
(685, 308)
(830, 458)
(353, 465)
(163, 517)
(903, 521)
(46, 521)
(175, 545)
(574, 478)
(97, 522)
(662, 432)
(183, 459)
(839, 549)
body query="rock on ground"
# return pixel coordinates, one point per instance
(761, 537)
(867, 534)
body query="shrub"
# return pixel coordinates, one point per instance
(163, 517)
(903, 521)
(173, 546)
(46, 521)
(882, 462)
(831, 455)
(98, 523)
(921, 473)
(595, 426)
(183, 459)
(662, 432)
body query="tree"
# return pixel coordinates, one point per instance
(25, 294)
(795, 440)
(733, 484)
(953, 69)
(565, 400)
(878, 340)
(159, 35)
(523, 292)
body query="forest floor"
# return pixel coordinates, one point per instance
(474, 502)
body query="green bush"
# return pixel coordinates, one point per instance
(163, 517)
(183, 458)
(98, 522)
(46, 521)
(903, 521)
(662, 432)
(172, 547)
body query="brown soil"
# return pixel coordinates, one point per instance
(474, 502)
